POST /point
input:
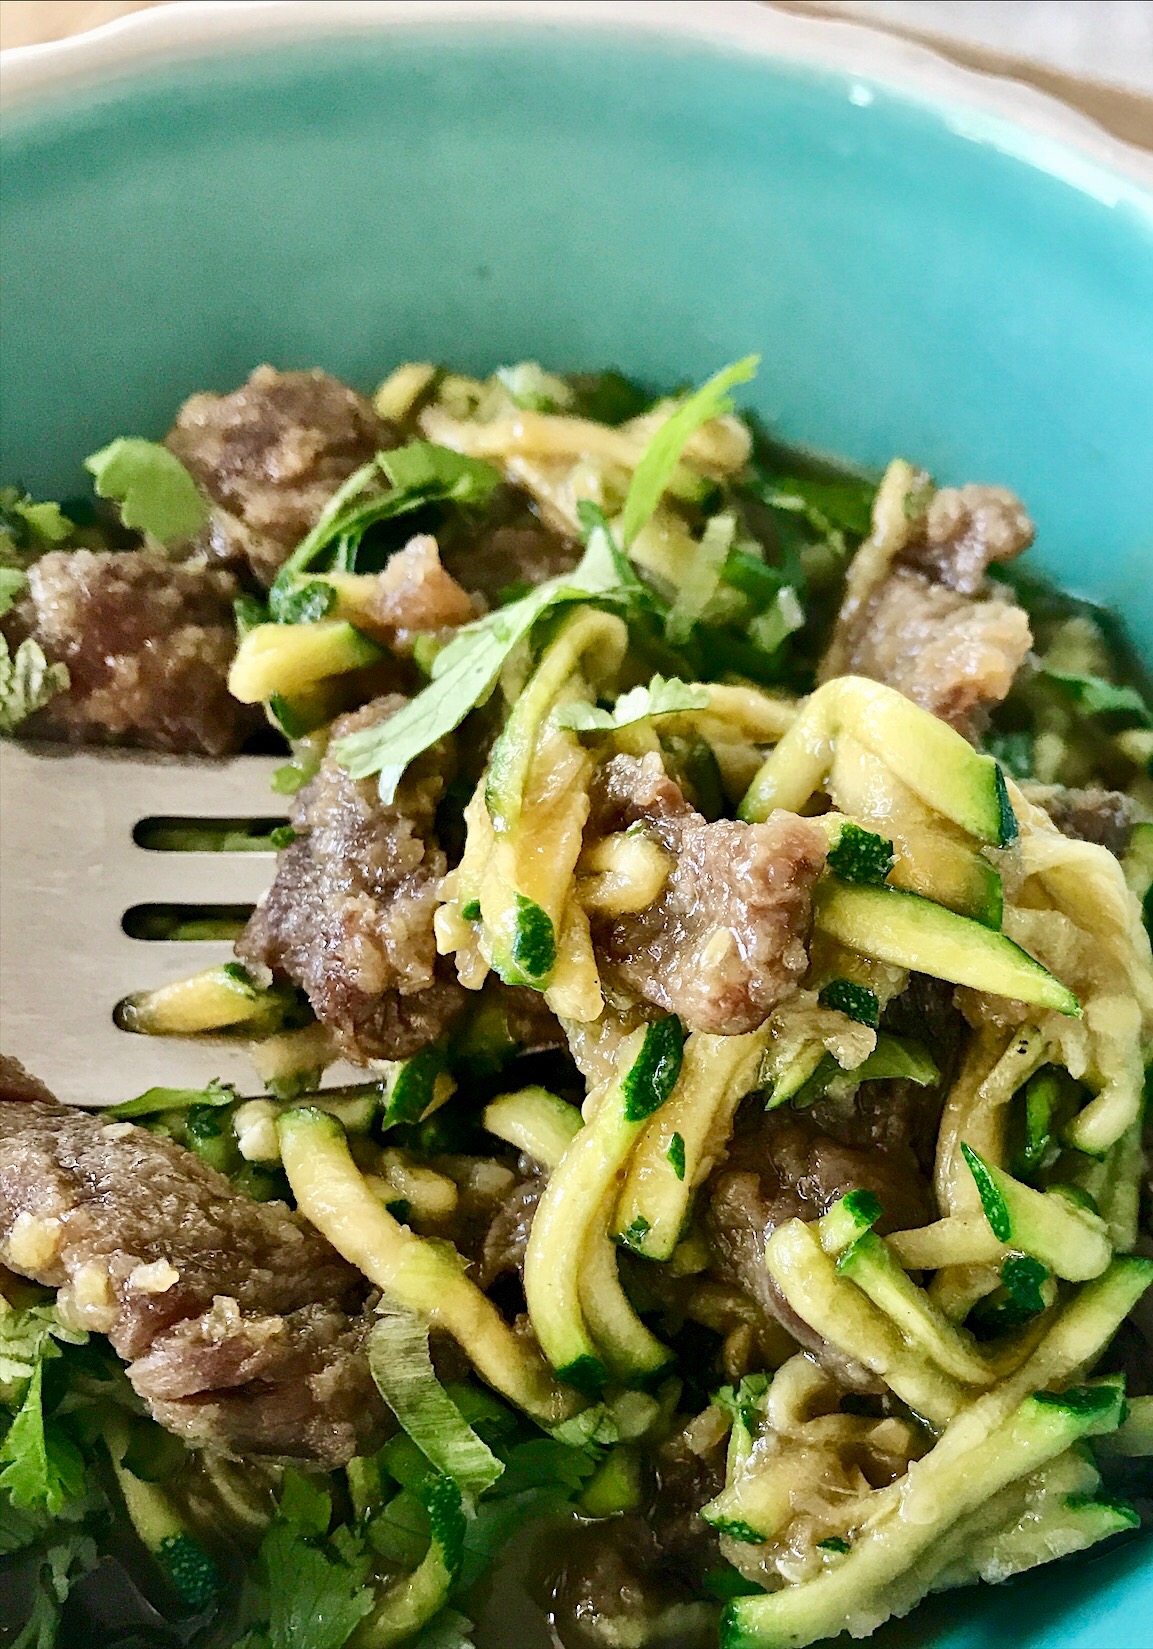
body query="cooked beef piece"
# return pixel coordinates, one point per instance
(349, 915)
(781, 1166)
(686, 1481)
(240, 1325)
(270, 456)
(966, 530)
(893, 1112)
(507, 1236)
(413, 596)
(613, 1589)
(147, 644)
(295, 1386)
(16, 1083)
(1105, 817)
(506, 547)
(927, 621)
(726, 939)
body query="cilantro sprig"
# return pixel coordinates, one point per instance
(465, 672)
(155, 492)
(27, 682)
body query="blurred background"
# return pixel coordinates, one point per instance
(1097, 54)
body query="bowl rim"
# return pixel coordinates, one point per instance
(986, 108)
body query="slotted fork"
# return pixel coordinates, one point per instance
(70, 869)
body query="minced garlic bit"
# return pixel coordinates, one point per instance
(156, 1278)
(33, 1242)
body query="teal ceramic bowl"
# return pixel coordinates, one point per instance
(928, 263)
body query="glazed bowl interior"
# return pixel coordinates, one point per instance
(919, 277)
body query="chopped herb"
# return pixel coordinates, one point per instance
(27, 682)
(471, 911)
(744, 1402)
(660, 697)
(28, 529)
(676, 1155)
(855, 1001)
(828, 507)
(282, 836)
(249, 614)
(702, 579)
(12, 585)
(1014, 751)
(316, 1587)
(156, 1101)
(307, 604)
(155, 492)
(861, 856)
(652, 1076)
(420, 474)
(466, 670)
(663, 453)
(1095, 696)
(633, 1236)
(533, 953)
(43, 1470)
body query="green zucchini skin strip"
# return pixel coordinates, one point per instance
(536, 1121)
(1072, 1243)
(510, 760)
(716, 1073)
(331, 1193)
(842, 1314)
(914, 933)
(921, 1508)
(569, 1212)
(935, 761)
(412, 1601)
(869, 1264)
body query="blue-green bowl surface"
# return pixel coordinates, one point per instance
(915, 282)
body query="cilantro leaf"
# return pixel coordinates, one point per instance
(155, 492)
(43, 1468)
(663, 453)
(420, 473)
(1014, 751)
(26, 1340)
(660, 697)
(829, 507)
(28, 529)
(305, 605)
(702, 578)
(61, 1566)
(1095, 696)
(27, 682)
(465, 672)
(155, 1101)
(317, 1591)
(12, 583)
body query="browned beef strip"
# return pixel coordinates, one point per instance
(270, 455)
(414, 595)
(147, 644)
(240, 1325)
(933, 626)
(507, 1236)
(349, 915)
(506, 546)
(726, 939)
(1105, 817)
(613, 1587)
(781, 1166)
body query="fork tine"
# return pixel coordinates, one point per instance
(69, 868)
